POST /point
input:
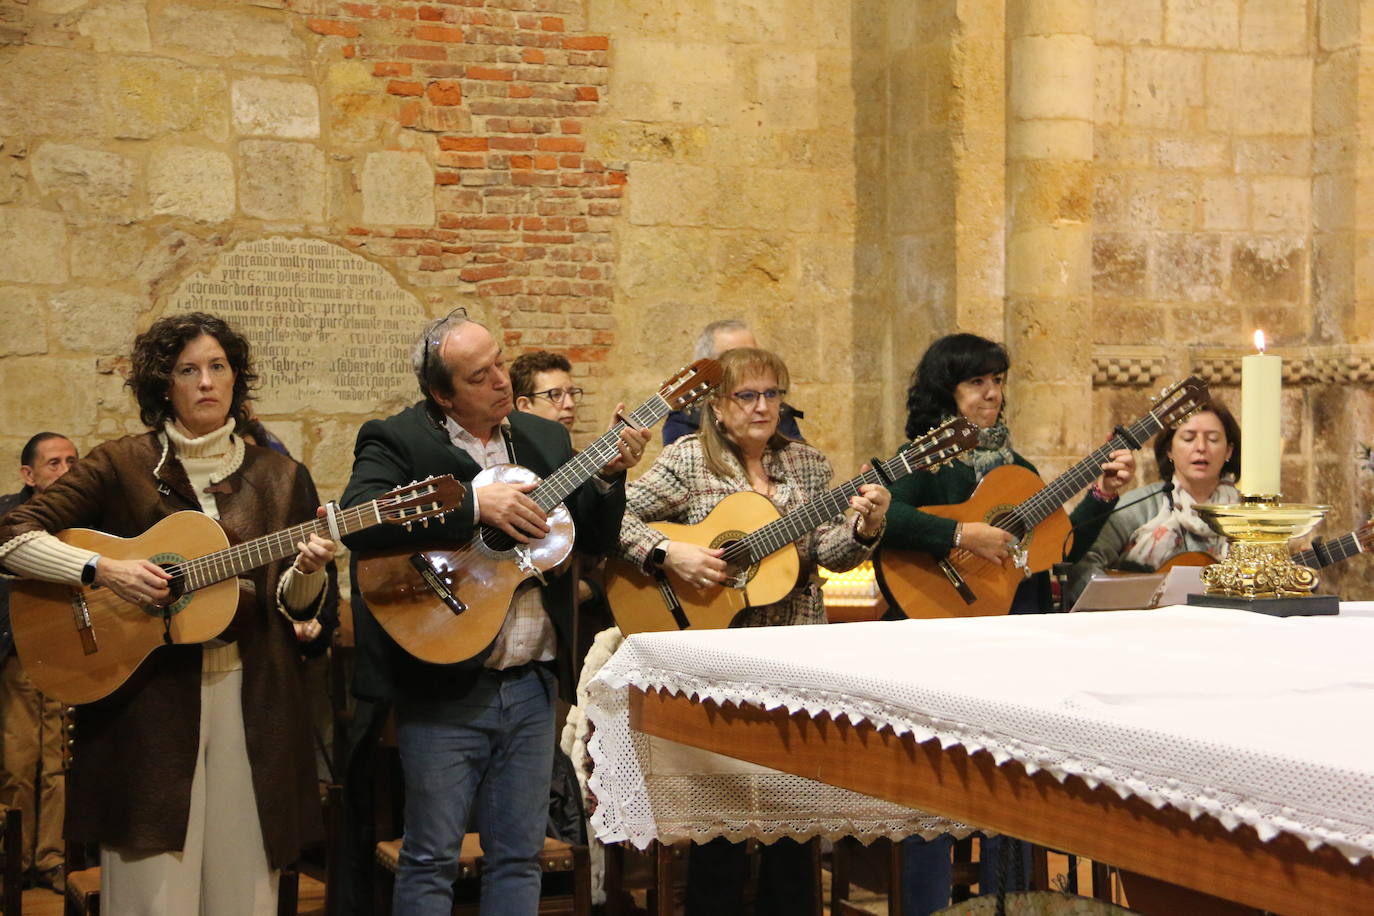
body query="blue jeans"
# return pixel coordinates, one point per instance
(928, 871)
(488, 754)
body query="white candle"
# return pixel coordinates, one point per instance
(1261, 385)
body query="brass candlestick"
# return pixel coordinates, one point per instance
(1258, 572)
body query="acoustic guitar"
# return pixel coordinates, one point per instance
(79, 644)
(444, 604)
(1321, 554)
(1014, 499)
(759, 546)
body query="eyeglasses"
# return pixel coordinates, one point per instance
(556, 395)
(432, 338)
(748, 396)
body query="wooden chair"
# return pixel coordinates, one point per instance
(83, 887)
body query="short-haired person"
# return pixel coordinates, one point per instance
(476, 738)
(715, 339)
(197, 777)
(31, 778)
(963, 375)
(542, 384)
(1198, 462)
(739, 449)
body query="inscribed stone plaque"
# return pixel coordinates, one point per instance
(331, 331)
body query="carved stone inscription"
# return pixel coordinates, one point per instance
(331, 331)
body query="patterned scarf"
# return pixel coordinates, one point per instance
(993, 451)
(1177, 528)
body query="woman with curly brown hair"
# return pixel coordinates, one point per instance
(196, 777)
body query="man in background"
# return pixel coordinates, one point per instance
(715, 339)
(542, 384)
(31, 777)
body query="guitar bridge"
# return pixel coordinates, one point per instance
(81, 615)
(431, 578)
(665, 590)
(958, 582)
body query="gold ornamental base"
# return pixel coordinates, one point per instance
(1259, 564)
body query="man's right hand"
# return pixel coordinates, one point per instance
(505, 506)
(138, 582)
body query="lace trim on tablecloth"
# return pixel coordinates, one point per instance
(703, 806)
(617, 775)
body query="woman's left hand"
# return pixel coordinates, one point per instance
(314, 554)
(871, 504)
(1117, 472)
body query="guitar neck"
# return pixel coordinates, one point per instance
(1059, 491)
(777, 534)
(1325, 553)
(580, 468)
(233, 561)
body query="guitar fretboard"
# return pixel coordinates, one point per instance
(594, 457)
(1059, 491)
(779, 533)
(1325, 553)
(224, 564)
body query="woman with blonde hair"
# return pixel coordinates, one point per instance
(739, 449)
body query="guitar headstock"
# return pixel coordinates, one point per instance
(691, 384)
(939, 446)
(1365, 535)
(433, 497)
(1180, 401)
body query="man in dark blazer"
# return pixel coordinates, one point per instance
(31, 776)
(476, 738)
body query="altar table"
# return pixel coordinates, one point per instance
(1221, 750)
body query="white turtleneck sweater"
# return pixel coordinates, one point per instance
(207, 460)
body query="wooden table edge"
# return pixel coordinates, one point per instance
(1280, 875)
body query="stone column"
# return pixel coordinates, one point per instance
(1049, 227)
(931, 173)
(1342, 285)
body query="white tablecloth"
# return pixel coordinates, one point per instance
(1242, 717)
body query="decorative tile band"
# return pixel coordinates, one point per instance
(1140, 367)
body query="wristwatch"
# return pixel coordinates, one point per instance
(88, 571)
(658, 556)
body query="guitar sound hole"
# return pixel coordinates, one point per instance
(738, 563)
(176, 585)
(1009, 521)
(496, 539)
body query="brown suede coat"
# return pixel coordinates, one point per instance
(135, 754)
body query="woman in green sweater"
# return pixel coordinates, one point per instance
(964, 375)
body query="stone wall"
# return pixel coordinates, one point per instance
(1120, 189)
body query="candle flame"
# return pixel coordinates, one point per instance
(1259, 341)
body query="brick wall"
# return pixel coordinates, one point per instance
(496, 94)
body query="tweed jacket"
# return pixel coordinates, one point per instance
(130, 782)
(679, 487)
(413, 445)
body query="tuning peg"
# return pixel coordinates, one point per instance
(425, 522)
(407, 525)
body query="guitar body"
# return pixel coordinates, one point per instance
(79, 644)
(479, 577)
(914, 581)
(640, 604)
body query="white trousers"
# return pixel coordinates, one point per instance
(223, 869)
